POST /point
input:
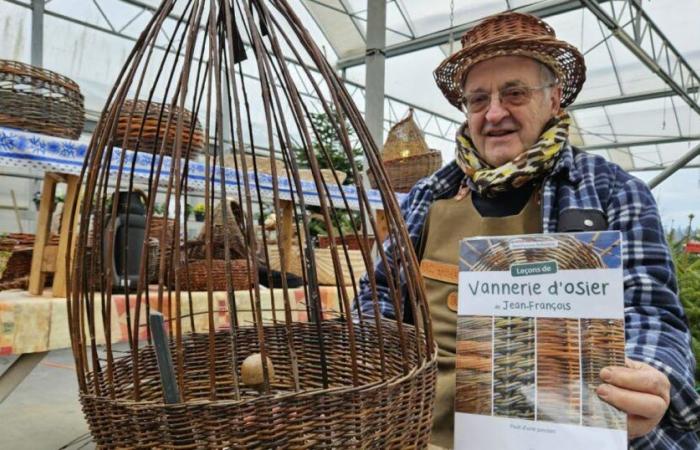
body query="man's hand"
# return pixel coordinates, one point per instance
(638, 389)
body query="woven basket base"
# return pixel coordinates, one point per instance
(392, 413)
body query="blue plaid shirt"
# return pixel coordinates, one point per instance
(656, 328)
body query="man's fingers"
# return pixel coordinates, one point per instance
(648, 406)
(639, 426)
(638, 379)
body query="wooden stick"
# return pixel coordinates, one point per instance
(14, 206)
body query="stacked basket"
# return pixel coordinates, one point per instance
(406, 157)
(40, 100)
(145, 126)
(225, 237)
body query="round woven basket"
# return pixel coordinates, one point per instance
(570, 253)
(405, 172)
(145, 126)
(388, 412)
(196, 274)
(40, 100)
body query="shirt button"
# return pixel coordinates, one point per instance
(588, 223)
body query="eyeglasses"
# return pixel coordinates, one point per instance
(508, 96)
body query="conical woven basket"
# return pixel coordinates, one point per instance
(406, 156)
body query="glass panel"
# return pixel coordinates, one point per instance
(15, 32)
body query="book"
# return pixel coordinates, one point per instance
(538, 317)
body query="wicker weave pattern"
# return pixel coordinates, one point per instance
(404, 139)
(514, 367)
(558, 371)
(512, 34)
(148, 125)
(570, 253)
(405, 172)
(196, 274)
(603, 346)
(40, 100)
(474, 365)
(340, 381)
(390, 413)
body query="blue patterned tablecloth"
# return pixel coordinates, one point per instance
(47, 153)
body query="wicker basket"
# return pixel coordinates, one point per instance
(403, 173)
(404, 139)
(146, 128)
(40, 100)
(19, 248)
(391, 412)
(406, 157)
(196, 275)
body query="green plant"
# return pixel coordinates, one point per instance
(331, 154)
(158, 209)
(688, 276)
(325, 137)
(199, 208)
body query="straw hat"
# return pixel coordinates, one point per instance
(512, 34)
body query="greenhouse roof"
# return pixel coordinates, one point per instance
(638, 108)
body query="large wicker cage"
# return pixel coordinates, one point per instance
(209, 357)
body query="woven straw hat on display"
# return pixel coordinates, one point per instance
(512, 34)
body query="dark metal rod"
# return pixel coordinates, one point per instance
(168, 380)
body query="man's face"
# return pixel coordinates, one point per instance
(501, 132)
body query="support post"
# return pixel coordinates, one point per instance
(37, 33)
(374, 75)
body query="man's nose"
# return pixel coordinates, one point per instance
(495, 111)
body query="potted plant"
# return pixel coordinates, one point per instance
(199, 209)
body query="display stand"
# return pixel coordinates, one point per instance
(47, 258)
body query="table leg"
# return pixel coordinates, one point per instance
(62, 264)
(37, 275)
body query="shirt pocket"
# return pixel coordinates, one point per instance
(576, 220)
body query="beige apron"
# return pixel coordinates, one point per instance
(448, 222)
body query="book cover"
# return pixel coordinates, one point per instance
(538, 317)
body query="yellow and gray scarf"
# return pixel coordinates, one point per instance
(527, 166)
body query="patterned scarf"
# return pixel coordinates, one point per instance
(529, 165)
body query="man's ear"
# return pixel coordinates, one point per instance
(555, 99)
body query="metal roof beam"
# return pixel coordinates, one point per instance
(650, 45)
(658, 141)
(541, 9)
(680, 163)
(620, 99)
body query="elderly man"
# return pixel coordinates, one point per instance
(516, 173)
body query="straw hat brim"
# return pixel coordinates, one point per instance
(564, 59)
